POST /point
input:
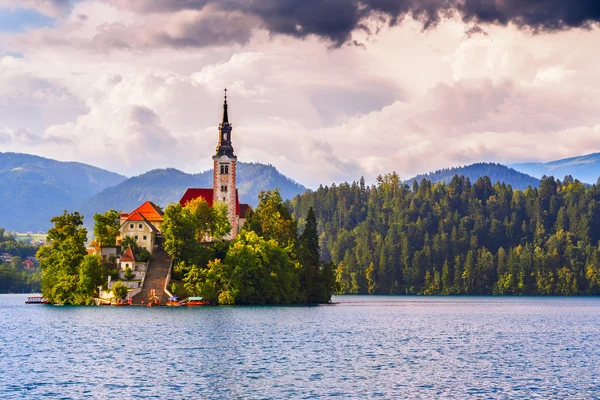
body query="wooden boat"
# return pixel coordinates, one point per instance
(36, 300)
(120, 303)
(197, 301)
(174, 302)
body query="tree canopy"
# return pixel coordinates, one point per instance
(458, 238)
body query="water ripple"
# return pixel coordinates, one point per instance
(362, 347)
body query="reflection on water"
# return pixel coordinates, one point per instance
(361, 347)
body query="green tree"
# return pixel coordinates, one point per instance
(106, 228)
(61, 259)
(119, 290)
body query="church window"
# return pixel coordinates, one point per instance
(224, 136)
(224, 169)
(223, 198)
(130, 226)
(140, 226)
(145, 237)
(136, 238)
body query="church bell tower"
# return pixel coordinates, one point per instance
(224, 185)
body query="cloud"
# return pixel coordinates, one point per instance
(23, 137)
(470, 121)
(52, 8)
(31, 102)
(336, 20)
(183, 29)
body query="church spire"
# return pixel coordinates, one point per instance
(224, 147)
(225, 116)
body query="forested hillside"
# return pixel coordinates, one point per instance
(33, 189)
(164, 186)
(459, 238)
(496, 173)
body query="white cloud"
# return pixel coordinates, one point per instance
(409, 101)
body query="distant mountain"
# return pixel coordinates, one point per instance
(33, 189)
(585, 168)
(496, 172)
(164, 186)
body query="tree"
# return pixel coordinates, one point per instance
(119, 290)
(61, 258)
(272, 221)
(106, 228)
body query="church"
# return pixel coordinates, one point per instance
(224, 179)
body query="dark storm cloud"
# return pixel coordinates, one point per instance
(335, 20)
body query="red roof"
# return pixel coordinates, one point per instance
(135, 216)
(128, 255)
(193, 193)
(150, 211)
(207, 194)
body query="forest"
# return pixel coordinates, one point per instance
(13, 277)
(269, 262)
(458, 237)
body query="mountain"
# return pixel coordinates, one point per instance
(33, 189)
(496, 172)
(164, 186)
(585, 168)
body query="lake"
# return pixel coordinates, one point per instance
(361, 347)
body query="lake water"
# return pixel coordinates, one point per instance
(361, 347)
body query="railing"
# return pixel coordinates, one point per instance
(168, 280)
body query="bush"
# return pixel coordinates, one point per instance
(129, 274)
(119, 290)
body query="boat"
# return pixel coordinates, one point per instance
(102, 302)
(120, 302)
(197, 301)
(174, 302)
(36, 300)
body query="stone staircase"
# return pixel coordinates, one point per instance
(156, 275)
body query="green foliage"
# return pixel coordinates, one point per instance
(458, 237)
(69, 274)
(141, 255)
(119, 290)
(272, 221)
(185, 228)
(106, 228)
(128, 274)
(267, 263)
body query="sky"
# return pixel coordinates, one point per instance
(325, 90)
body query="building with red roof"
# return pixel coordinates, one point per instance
(224, 179)
(143, 224)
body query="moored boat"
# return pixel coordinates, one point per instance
(36, 300)
(197, 301)
(120, 302)
(174, 301)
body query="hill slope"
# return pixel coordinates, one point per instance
(33, 189)
(164, 186)
(585, 168)
(496, 172)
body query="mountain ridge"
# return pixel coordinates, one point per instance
(586, 168)
(496, 173)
